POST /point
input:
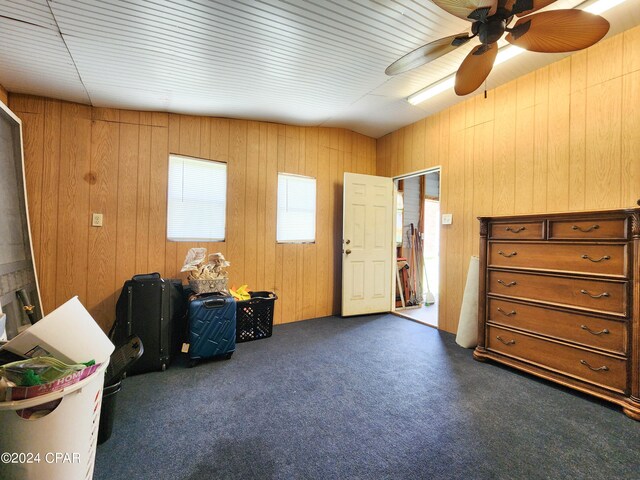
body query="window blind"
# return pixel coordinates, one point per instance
(296, 209)
(197, 200)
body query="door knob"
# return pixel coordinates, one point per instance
(348, 242)
(347, 251)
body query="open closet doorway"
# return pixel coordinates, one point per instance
(417, 246)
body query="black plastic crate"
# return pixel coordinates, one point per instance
(254, 317)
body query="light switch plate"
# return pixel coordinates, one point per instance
(447, 218)
(96, 220)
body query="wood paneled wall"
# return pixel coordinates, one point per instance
(565, 137)
(4, 96)
(81, 160)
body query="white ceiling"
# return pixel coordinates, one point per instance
(315, 62)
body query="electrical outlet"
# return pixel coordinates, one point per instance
(447, 218)
(96, 220)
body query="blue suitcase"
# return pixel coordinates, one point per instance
(212, 327)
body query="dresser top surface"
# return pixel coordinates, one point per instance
(609, 213)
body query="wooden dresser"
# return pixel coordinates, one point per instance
(560, 299)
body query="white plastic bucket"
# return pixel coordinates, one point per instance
(59, 446)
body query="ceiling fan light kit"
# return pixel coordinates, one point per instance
(551, 31)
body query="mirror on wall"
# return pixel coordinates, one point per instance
(19, 294)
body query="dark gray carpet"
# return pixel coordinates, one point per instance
(362, 398)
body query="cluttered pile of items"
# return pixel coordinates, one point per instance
(59, 377)
(219, 316)
(33, 377)
(54, 380)
(206, 273)
(210, 275)
(410, 273)
(204, 319)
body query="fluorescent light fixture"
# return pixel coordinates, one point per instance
(602, 6)
(432, 90)
(505, 53)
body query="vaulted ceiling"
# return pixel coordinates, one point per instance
(315, 62)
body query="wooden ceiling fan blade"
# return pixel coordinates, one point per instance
(427, 53)
(558, 31)
(525, 7)
(475, 68)
(468, 9)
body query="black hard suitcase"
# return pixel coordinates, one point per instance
(152, 308)
(212, 327)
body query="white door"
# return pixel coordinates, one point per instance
(367, 249)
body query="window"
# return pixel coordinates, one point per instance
(197, 200)
(399, 218)
(296, 209)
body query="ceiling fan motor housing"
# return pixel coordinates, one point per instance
(492, 30)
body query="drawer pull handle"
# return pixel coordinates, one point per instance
(508, 255)
(603, 368)
(586, 230)
(509, 342)
(506, 314)
(587, 257)
(603, 294)
(510, 284)
(515, 230)
(584, 327)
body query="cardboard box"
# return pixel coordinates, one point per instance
(69, 333)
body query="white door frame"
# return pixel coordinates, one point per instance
(395, 208)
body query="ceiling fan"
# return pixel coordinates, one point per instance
(551, 31)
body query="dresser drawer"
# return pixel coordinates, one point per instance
(590, 259)
(594, 229)
(597, 295)
(604, 370)
(517, 230)
(574, 327)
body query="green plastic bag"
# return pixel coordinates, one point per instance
(37, 371)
